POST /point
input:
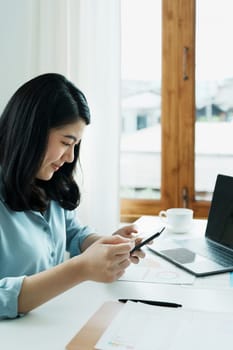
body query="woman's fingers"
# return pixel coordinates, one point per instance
(127, 231)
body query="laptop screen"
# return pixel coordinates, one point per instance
(220, 220)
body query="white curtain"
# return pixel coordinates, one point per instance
(80, 39)
(98, 73)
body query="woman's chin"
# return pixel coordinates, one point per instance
(45, 177)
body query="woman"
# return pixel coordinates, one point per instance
(40, 134)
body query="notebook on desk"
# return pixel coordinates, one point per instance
(213, 253)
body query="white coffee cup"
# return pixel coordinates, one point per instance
(178, 220)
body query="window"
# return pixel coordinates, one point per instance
(214, 88)
(186, 141)
(140, 161)
(142, 121)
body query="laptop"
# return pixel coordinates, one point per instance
(212, 253)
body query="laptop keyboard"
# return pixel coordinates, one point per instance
(211, 251)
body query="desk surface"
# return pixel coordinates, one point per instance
(53, 325)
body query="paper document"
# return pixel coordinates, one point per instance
(144, 327)
(154, 269)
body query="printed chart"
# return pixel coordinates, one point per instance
(153, 269)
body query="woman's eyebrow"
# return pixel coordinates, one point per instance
(71, 137)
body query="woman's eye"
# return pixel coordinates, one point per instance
(66, 144)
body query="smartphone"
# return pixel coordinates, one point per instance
(147, 240)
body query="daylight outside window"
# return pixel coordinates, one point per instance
(140, 157)
(214, 95)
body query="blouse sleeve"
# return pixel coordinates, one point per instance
(75, 233)
(9, 291)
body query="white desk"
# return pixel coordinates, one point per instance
(51, 326)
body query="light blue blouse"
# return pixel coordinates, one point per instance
(31, 242)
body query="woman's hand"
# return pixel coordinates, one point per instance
(106, 259)
(131, 232)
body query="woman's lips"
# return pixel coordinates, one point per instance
(56, 167)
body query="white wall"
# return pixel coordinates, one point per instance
(14, 46)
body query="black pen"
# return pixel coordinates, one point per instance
(147, 240)
(152, 302)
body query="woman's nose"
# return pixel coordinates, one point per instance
(69, 155)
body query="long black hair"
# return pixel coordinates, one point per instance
(45, 102)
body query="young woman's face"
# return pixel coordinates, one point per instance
(60, 148)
